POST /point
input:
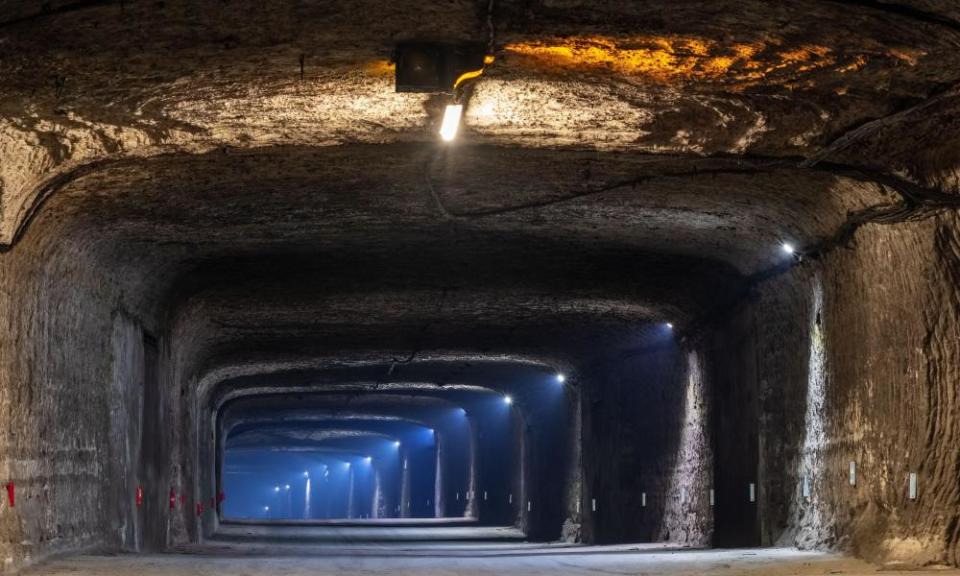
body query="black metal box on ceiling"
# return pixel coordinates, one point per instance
(434, 66)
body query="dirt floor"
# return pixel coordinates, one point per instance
(450, 559)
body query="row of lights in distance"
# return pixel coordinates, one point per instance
(306, 473)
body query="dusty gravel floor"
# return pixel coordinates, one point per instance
(463, 559)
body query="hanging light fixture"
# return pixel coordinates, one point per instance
(451, 122)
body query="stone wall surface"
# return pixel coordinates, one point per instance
(64, 352)
(856, 365)
(647, 459)
(126, 399)
(687, 517)
(193, 187)
(80, 379)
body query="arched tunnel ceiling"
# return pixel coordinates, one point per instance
(85, 82)
(313, 431)
(301, 438)
(646, 237)
(366, 404)
(246, 172)
(384, 201)
(334, 421)
(394, 248)
(437, 395)
(423, 386)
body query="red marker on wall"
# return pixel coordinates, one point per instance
(173, 498)
(10, 495)
(183, 500)
(199, 508)
(139, 496)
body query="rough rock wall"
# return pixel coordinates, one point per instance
(856, 361)
(65, 352)
(547, 433)
(126, 430)
(735, 431)
(571, 531)
(687, 517)
(646, 455)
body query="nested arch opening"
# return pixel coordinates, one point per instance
(307, 448)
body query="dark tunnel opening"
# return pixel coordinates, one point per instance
(390, 465)
(465, 453)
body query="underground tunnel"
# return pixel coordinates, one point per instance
(479, 286)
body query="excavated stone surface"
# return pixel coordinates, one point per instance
(70, 370)
(85, 83)
(883, 318)
(341, 554)
(921, 143)
(194, 194)
(653, 483)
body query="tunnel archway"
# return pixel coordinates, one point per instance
(680, 274)
(477, 430)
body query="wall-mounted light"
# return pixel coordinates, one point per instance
(451, 122)
(286, 487)
(396, 444)
(306, 474)
(276, 488)
(669, 325)
(561, 378)
(508, 399)
(788, 248)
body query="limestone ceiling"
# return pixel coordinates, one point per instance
(86, 82)
(246, 167)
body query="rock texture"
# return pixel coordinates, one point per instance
(874, 386)
(652, 483)
(70, 392)
(205, 202)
